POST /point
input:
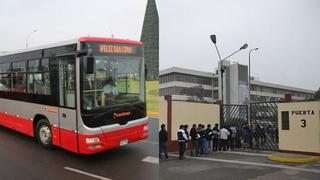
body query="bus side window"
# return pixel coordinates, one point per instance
(19, 77)
(5, 77)
(67, 81)
(39, 77)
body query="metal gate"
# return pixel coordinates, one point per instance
(264, 124)
(233, 115)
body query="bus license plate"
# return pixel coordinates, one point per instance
(123, 142)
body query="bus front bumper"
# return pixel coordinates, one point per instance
(94, 143)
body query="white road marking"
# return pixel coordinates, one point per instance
(245, 153)
(150, 142)
(86, 173)
(150, 159)
(253, 164)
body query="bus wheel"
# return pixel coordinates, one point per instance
(44, 133)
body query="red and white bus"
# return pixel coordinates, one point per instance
(85, 95)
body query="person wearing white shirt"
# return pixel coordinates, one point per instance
(182, 140)
(224, 133)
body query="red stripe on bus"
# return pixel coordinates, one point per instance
(111, 40)
(67, 139)
(17, 123)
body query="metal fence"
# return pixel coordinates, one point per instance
(264, 124)
(236, 115)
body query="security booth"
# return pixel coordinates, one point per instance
(299, 127)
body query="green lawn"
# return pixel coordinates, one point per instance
(152, 91)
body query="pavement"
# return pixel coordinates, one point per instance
(238, 165)
(22, 158)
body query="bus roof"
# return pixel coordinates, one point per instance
(74, 41)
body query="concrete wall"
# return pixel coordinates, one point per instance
(299, 138)
(163, 112)
(189, 113)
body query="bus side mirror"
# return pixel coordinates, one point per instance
(89, 65)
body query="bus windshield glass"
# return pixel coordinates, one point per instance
(117, 81)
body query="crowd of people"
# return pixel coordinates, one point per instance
(203, 140)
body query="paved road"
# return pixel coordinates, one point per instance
(22, 158)
(235, 165)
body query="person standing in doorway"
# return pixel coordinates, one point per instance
(163, 141)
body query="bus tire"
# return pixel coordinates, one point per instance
(44, 133)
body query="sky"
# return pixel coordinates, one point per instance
(61, 20)
(287, 33)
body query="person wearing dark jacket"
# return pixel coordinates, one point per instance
(194, 141)
(215, 132)
(209, 136)
(182, 140)
(200, 138)
(163, 141)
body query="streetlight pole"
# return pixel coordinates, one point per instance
(214, 40)
(249, 84)
(28, 37)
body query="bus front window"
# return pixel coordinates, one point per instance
(116, 81)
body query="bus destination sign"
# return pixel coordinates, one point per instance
(120, 49)
(116, 49)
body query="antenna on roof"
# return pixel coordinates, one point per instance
(112, 35)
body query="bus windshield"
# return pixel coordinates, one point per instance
(116, 81)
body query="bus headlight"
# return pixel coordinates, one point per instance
(145, 128)
(92, 140)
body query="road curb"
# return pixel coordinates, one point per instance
(293, 159)
(153, 113)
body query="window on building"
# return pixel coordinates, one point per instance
(215, 82)
(215, 94)
(285, 120)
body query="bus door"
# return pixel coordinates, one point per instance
(67, 100)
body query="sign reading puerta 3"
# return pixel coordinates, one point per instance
(303, 114)
(299, 126)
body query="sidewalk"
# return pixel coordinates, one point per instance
(237, 164)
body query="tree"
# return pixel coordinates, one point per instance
(317, 95)
(197, 93)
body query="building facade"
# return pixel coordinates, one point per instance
(150, 38)
(191, 85)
